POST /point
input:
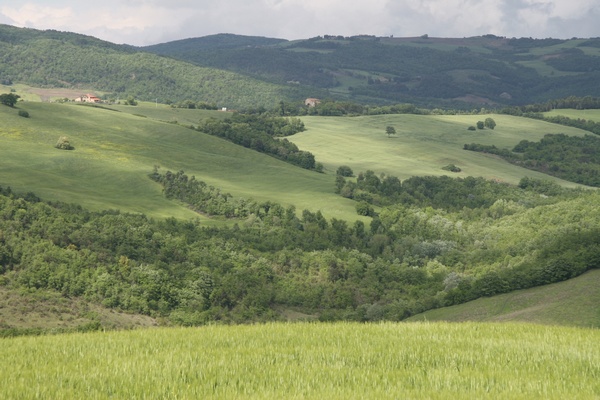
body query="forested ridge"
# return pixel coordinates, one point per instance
(424, 71)
(66, 60)
(246, 72)
(409, 259)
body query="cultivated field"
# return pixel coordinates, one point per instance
(593, 115)
(575, 302)
(423, 144)
(308, 361)
(116, 149)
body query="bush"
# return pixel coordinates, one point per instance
(480, 124)
(471, 128)
(365, 209)
(345, 170)
(23, 113)
(64, 144)
(451, 168)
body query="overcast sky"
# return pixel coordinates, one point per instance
(144, 22)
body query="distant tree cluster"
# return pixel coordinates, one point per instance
(488, 123)
(443, 192)
(199, 105)
(572, 158)
(574, 102)
(260, 132)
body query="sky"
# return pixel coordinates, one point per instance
(145, 22)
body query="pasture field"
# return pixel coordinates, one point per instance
(423, 144)
(575, 302)
(308, 361)
(115, 151)
(593, 115)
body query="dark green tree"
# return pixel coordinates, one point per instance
(480, 125)
(390, 130)
(131, 101)
(9, 99)
(489, 123)
(344, 170)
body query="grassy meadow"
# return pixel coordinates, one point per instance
(423, 144)
(575, 302)
(308, 361)
(115, 151)
(593, 115)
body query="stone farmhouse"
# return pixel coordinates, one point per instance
(88, 98)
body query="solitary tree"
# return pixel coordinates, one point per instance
(480, 125)
(9, 99)
(490, 123)
(390, 130)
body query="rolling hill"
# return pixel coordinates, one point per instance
(575, 302)
(116, 150)
(451, 72)
(302, 249)
(54, 59)
(246, 72)
(117, 147)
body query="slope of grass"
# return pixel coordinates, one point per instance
(308, 361)
(422, 145)
(593, 115)
(114, 152)
(575, 302)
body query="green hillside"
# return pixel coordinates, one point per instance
(423, 144)
(455, 72)
(66, 60)
(575, 302)
(299, 248)
(115, 151)
(249, 72)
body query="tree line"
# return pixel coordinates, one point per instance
(261, 132)
(571, 158)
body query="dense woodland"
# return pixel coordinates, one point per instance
(246, 72)
(415, 255)
(394, 70)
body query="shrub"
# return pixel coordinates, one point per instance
(471, 128)
(451, 168)
(23, 113)
(64, 143)
(364, 208)
(344, 170)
